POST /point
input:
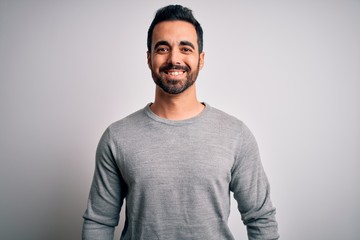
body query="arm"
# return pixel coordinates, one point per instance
(252, 190)
(107, 193)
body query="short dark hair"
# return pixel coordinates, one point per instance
(172, 13)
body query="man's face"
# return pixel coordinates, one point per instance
(174, 60)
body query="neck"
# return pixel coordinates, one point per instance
(176, 107)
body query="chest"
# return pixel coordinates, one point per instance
(177, 158)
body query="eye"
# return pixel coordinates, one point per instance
(187, 50)
(162, 50)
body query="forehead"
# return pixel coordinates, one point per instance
(174, 32)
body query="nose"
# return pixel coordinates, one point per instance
(174, 57)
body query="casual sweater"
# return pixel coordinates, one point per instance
(176, 177)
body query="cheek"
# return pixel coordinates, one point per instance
(194, 63)
(156, 62)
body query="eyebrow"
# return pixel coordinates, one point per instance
(166, 43)
(159, 43)
(187, 43)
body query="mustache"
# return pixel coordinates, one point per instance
(174, 67)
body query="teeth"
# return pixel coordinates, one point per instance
(175, 73)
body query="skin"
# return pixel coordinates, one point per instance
(175, 62)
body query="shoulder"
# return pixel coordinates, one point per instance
(230, 124)
(130, 120)
(127, 125)
(225, 119)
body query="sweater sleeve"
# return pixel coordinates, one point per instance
(107, 193)
(252, 190)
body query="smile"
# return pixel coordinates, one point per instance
(175, 73)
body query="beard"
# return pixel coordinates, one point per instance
(175, 86)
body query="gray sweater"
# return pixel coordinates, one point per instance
(176, 177)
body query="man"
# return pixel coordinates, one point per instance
(176, 161)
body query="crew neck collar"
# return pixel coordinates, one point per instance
(155, 117)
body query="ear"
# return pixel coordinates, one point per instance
(148, 56)
(201, 60)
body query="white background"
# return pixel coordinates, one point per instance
(289, 69)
